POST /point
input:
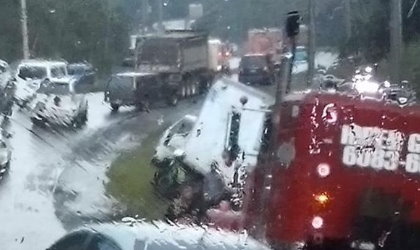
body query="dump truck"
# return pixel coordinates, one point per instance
(180, 57)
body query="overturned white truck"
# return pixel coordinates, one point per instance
(220, 145)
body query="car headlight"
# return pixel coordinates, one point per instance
(4, 159)
(402, 100)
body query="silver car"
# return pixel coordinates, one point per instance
(5, 156)
(58, 105)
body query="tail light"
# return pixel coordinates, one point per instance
(317, 222)
(106, 96)
(322, 198)
(323, 170)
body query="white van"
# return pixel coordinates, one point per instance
(30, 74)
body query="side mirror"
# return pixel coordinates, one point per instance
(45, 82)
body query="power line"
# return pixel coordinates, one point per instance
(410, 13)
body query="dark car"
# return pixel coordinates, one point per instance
(5, 153)
(256, 69)
(139, 89)
(83, 73)
(136, 235)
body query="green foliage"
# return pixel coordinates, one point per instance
(232, 19)
(371, 30)
(370, 33)
(129, 181)
(329, 23)
(411, 64)
(76, 30)
(9, 39)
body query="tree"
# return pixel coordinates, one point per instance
(93, 30)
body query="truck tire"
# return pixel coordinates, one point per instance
(115, 106)
(183, 91)
(84, 117)
(205, 85)
(194, 89)
(173, 100)
(193, 82)
(80, 120)
(189, 90)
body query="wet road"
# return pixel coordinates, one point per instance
(56, 180)
(57, 177)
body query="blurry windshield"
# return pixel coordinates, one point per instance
(121, 82)
(54, 89)
(32, 72)
(58, 71)
(77, 69)
(210, 124)
(301, 54)
(157, 51)
(253, 61)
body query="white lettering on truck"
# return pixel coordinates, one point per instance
(380, 149)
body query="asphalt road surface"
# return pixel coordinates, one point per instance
(57, 176)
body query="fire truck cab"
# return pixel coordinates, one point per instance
(345, 174)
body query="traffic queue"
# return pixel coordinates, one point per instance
(335, 168)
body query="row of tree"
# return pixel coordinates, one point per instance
(97, 30)
(77, 30)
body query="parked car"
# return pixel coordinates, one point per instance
(4, 73)
(7, 97)
(82, 73)
(7, 89)
(156, 236)
(256, 69)
(5, 155)
(139, 89)
(31, 73)
(300, 63)
(58, 105)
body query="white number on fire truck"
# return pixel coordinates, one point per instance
(412, 163)
(349, 156)
(414, 143)
(379, 148)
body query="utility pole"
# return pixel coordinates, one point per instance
(347, 16)
(144, 15)
(160, 16)
(311, 49)
(24, 22)
(396, 40)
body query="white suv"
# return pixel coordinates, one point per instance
(30, 74)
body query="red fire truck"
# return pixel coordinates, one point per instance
(265, 41)
(345, 175)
